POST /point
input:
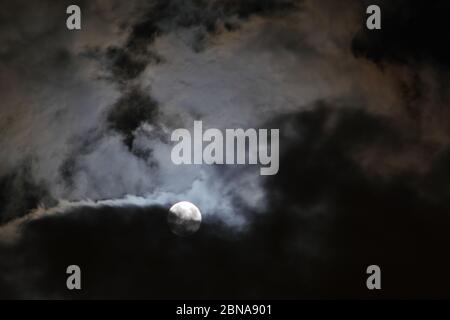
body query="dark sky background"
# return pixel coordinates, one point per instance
(85, 170)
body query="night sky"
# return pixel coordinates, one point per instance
(86, 177)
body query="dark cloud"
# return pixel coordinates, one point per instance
(133, 109)
(130, 253)
(20, 192)
(412, 31)
(130, 60)
(356, 218)
(202, 13)
(124, 65)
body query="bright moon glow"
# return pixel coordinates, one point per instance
(184, 218)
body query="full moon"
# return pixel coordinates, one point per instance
(184, 218)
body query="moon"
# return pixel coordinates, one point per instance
(184, 218)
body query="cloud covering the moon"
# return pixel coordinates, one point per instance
(88, 115)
